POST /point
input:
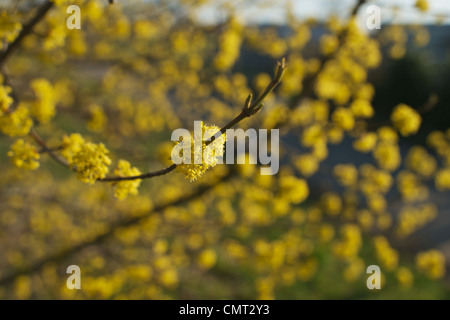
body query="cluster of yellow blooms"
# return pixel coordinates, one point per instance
(350, 244)
(90, 160)
(9, 28)
(43, 108)
(98, 119)
(385, 253)
(202, 156)
(410, 187)
(422, 5)
(5, 99)
(421, 162)
(432, 263)
(411, 218)
(24, 155)
(17, 122)
(229, 46)
(123, 188)
(406, 120)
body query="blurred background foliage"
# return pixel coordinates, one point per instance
(364, 149)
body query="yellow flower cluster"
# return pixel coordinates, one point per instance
(406, 120)
(345, 73)
(366, 142)
(422, 5)
(331, 203)
(98, 118)
(442, 179)
(71, 145)
(56, 36)
(432, 263)
(145, 29)
(307, 164)
(410, 187)
(17, 122)
(387, 151)
(44, 106)
(207, 259)
(440, 141)
(343, 118)
(405, 277)
(397, 36)
(9, 28)
(412, 218)
(329, 44)
(206, 154)
(374, 180)
(90, 160)
(229, 47)
(350, 244)
(346, 174)
(5, 99)
(362, 108)
(123, 188)
(293, 189)
(24, 155)
(354, 269)
(420, 161)
(385, 253)
(387, 156)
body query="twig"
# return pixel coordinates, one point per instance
(250, 109)
(27, 28)
(44, 146)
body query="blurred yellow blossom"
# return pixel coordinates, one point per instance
(24, 155)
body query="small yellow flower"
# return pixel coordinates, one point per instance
(294, 189)
(420, 161)
(331, 203)
(71, 145)
(387, 156)
(362, 108)
(16, 123)
(91, 162)
(207, 154)
(406, 119)
(5, 99)
(98, 119)
(207, 259)
(343, 118)
(366, 142)
(24, 155)
(307, 164)
(346, 174)
(432, 263)
(405, 277)
(422, 5)
(44, 106)
(442, 179)
(123, 188)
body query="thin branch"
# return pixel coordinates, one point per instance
(45, 148)
(27, 28)
(142, 176)
(250, 109)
